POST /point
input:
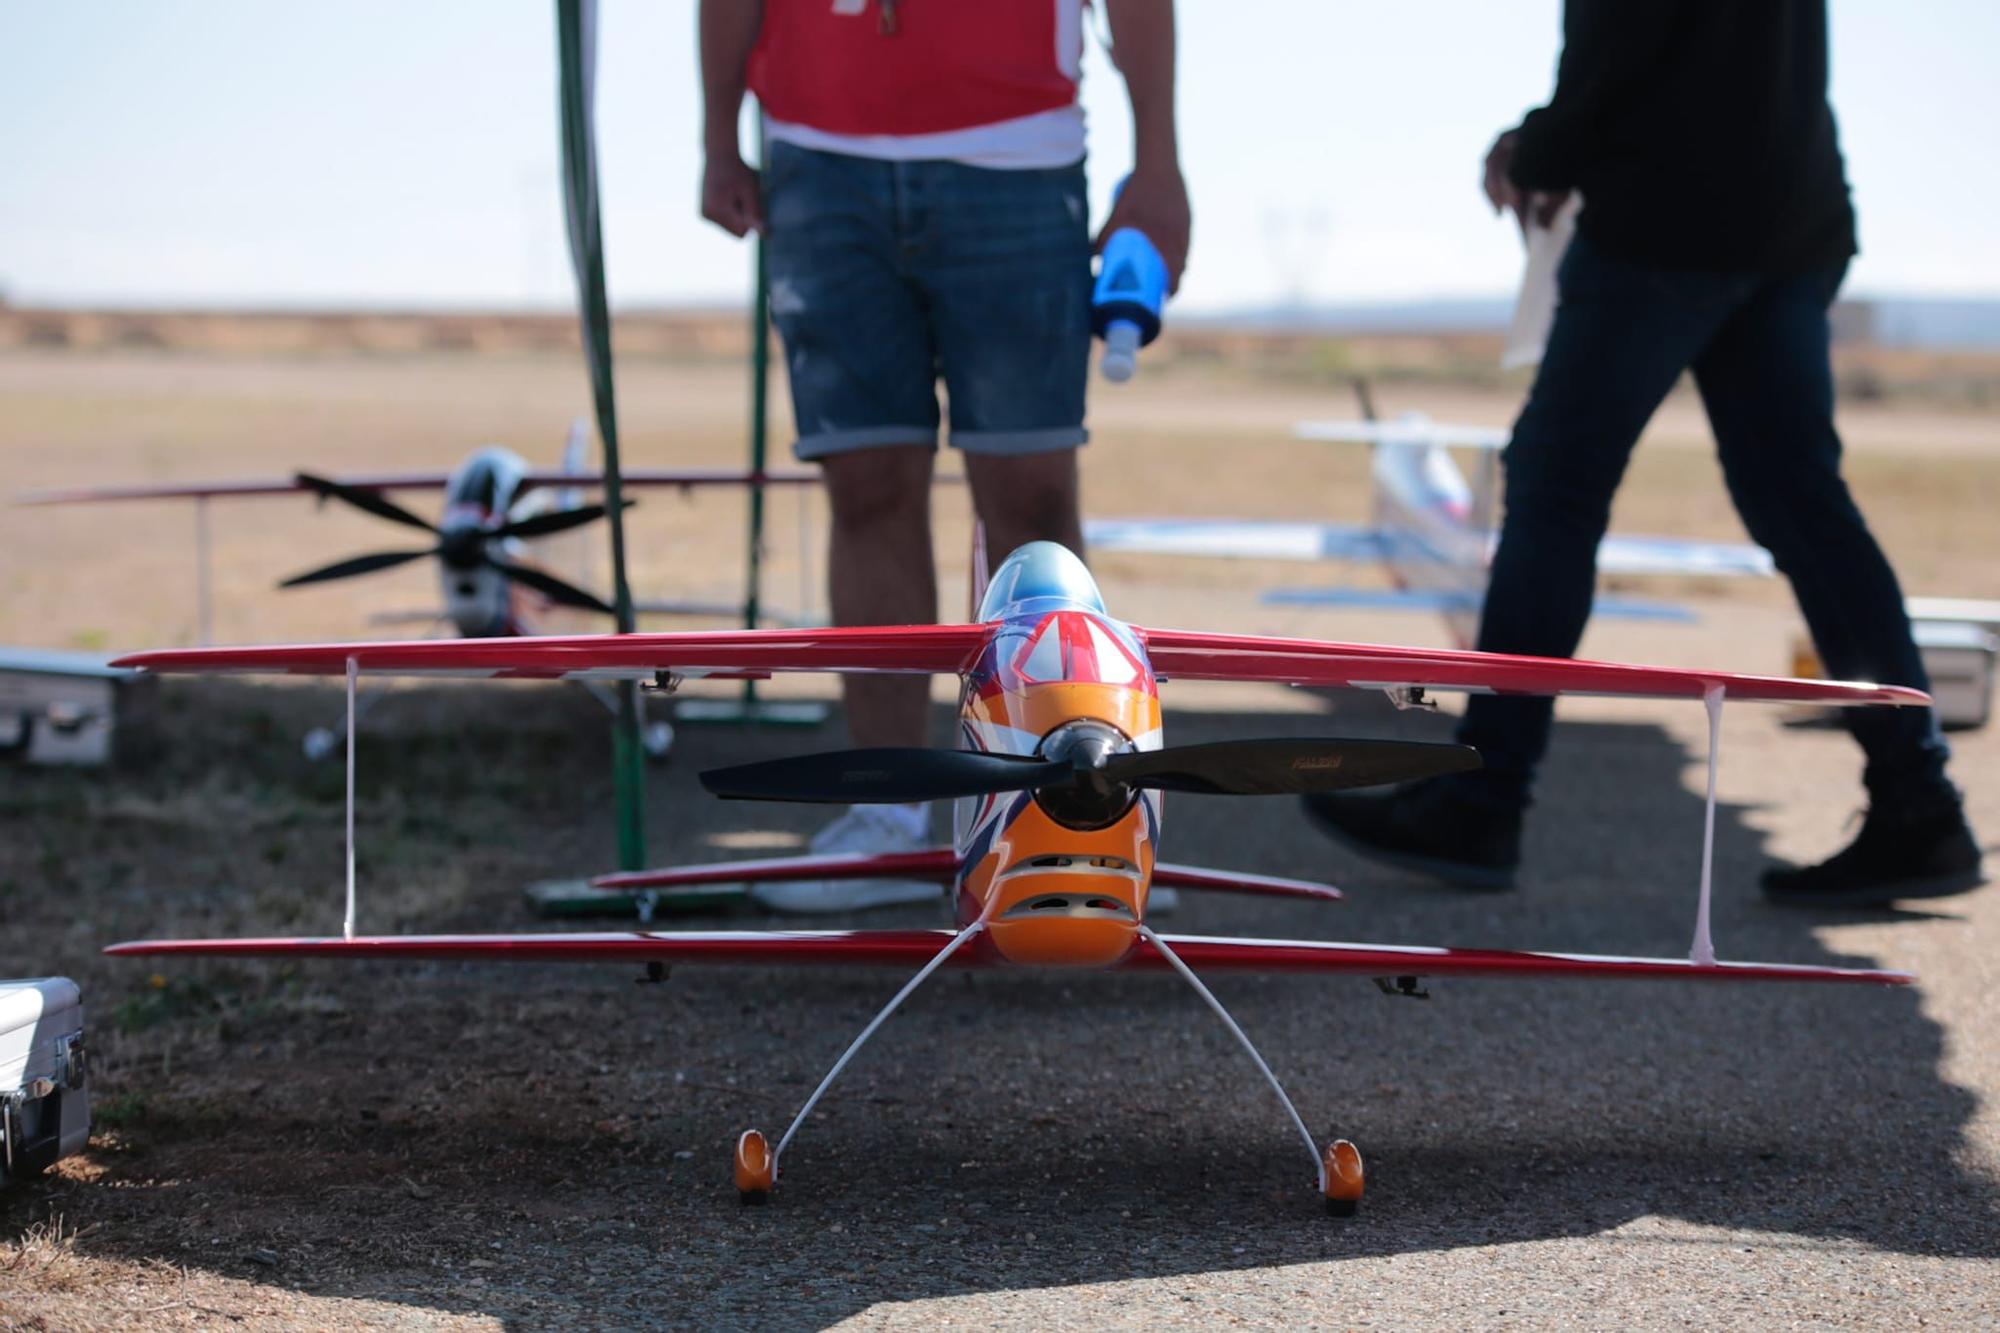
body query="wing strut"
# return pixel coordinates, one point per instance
(1702, 951)
(1187, 974)
(347, 926)
(909, 988)
(204, 579)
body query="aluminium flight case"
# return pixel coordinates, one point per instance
(44, 1103)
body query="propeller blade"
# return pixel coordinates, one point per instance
(1287, 767)
(556, 590)
(547, 525)
(361, 498)
(360, 564)
(884, 775)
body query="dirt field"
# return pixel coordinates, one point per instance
(468, 1147)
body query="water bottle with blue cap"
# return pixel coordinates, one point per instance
(1125, 308)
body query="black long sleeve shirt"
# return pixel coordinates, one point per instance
(1699, 133)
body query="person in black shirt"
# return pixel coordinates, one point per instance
(1715, 229)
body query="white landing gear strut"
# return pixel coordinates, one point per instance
(1340, 1172)
(756, 1159)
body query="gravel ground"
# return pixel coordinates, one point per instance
(542, 1147)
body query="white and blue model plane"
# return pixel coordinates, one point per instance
(1433, 530)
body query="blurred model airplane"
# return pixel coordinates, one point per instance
(1433, 531)
(1059, 786)
(494, 504)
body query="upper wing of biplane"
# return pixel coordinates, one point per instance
(1191, 655)
(685, 478)
(918, 649)
(951, 649)
(914, 948)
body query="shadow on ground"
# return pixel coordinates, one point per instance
(543, 1143)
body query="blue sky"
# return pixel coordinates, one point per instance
(365, 152)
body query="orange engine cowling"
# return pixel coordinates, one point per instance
(1056, 897)
(1071, 941)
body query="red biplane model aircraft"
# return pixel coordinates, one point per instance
(1059, 784)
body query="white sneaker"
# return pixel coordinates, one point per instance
(870, 830)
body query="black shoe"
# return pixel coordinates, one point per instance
(1431, 827)
(1897, 855)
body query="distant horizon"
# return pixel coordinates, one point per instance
(1897, 321)
(718, 305)
(372, 154)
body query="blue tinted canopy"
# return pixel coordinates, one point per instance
(1041, 576)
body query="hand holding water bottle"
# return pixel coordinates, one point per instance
(1135, 276)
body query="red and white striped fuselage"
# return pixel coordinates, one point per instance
(1057, 880)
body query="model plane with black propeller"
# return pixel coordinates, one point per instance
(495, 508)
(494, 503)
(1059, 779)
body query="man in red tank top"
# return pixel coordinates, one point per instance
(923, 205)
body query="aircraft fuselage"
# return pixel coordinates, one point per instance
(1060, 876)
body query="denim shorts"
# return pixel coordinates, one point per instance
(886, 276)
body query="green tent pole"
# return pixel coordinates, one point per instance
(747, 708)
(576, 40)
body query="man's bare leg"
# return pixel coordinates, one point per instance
(1023, 498)
(880, 571)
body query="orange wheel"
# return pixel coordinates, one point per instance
(755, 1171)
(1344, 1177)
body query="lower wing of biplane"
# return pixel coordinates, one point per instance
(937, 864)
(1406, 674)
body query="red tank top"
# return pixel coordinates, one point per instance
(906, 67)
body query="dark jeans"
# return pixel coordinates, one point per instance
(1758, 347)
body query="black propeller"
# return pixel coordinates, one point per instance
(460, 548)
(362, 498)
(555, 589)
(885, 775)
(1287, 767)
(1240, 768)
(360, 564)
(547, 525)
